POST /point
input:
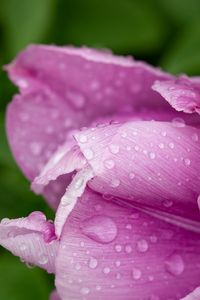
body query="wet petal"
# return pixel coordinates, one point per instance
(32, 239)
(182, 93)
(54, 296)
(110, 252)
(153, 163)
(66, 88)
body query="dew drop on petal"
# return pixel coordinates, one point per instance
(88, 154)
(178, 122)
(115, 182)
(174, 264)
(100, 228)
(167, 203)
(85, 291)
(114, 149)
(93, 263)
(43, 259)
(106, 270)
(109, 164)
(118, 248)
(187, 161)
(152, 155)
(142, 246)
(23, 247)
(131, 175)
(195, 137)
(136, 273)
(83, 138)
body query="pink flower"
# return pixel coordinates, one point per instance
(96, 136)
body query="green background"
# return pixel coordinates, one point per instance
(162, 32)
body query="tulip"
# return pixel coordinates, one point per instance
(113, 146)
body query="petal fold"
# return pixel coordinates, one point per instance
(182, 93)
(32, 239)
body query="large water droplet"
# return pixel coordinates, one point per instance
(100, 228)
(115, 182)
(195, 137)
(174, 264)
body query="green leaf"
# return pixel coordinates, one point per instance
(25, 21)
(184, 54)
(124, 26)
(20, 283)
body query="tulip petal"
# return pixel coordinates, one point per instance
(63, 88)
(111, 252)
(152, 163)
(32, 239)
(182, 93)
(54, 296)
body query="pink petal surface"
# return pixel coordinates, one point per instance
(67, 88)
(182, 93)
(157, 162)
(110, 252)
(32, 239)
(54, 296)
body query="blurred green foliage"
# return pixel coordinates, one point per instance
(162, 32)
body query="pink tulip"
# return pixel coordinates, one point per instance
(113, 145)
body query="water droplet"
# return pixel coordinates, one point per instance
(142, 246)
(43, 259)
(117, 263)
(171, 145)
(151, 277)
(129, 226)
(106, 270)
(124, 134)
(131, 175)
(118, 248)
(77, 267)
(136, 273)
(77, 100)
(128, 249)
(178, 122)
(115, 182)
(98, 287)
(163, 133)
(85, 291)
(36, 148)
(88, 154)
(195, 137)
(153, 238)
(23, 247)
(100, 228)
(167, 203)
(93, 263)
(152, 155)
(114, 149)
(161, 146)
(187, 161)
(109, 164)
(82, 138)
(174, 264)
(136, 148)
